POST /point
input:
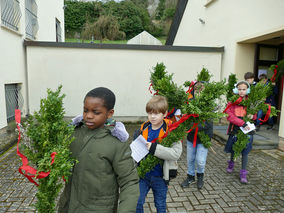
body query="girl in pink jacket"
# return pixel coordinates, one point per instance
(236, 114)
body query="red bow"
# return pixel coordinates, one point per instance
(30, 172)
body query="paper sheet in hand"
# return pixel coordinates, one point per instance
(139, 148)
(251, 127)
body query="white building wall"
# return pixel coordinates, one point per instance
(48, 11)
(126, 72)
(226, 23)
(12, 61)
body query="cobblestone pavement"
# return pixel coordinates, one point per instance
(222, 192)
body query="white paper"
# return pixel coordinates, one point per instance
(139, 148)
(251, 127)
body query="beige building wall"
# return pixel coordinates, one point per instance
(13, 55)
(126, 72)
(236, 25)
(225, 23)
(47, 17)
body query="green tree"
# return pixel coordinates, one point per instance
(47, 132)
(106, 27)
(77, 13)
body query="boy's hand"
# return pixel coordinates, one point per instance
(148, 145)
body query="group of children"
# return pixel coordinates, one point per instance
(105, 179)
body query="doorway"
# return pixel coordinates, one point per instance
(265, 56)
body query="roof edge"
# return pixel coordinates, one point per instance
(180, 8)
(123, 46)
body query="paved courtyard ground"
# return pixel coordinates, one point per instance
(222, 192)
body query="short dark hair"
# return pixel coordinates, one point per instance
(248, 75)
(262, 76)
(105, 94)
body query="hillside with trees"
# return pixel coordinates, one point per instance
(112, 20)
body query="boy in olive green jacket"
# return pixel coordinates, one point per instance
(105, 173)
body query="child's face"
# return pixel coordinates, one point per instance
(198, 88)
(156, 119)
(95, 113)
(242, 88)
(250, 80)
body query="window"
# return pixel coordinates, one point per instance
(14, 100)
(31, 19)
(10, 14)
(58, 30)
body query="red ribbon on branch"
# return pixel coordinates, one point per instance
(266, 115)
(190, 88)
(30, 172)
(195, 125)
(151, 85)
(273, 78)
(171, 113)
(175, 125)
(239, 100)
(182, 119)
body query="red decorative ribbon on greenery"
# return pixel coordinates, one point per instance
(30, 172)
(175, 125)
(171, 113)
(190, 87)
(195, 125)
(181, 120)
(151, 85)
(239, 100)
(275, 73)
(266, 115)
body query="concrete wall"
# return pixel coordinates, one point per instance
(46, 17)
(125, 71)
(227, 23)
(12, 60)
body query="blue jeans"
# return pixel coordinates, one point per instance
(259, 116)
(196, 155)
(159, 188)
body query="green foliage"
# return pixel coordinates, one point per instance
(279, 68)
(206, 140)
(232, 80)
(77, 13)
(47, 132)
(253, 104)
(151, 161)
(240, 144)
(160, 9)
(162, 83)
(203, 104)
(106, 27)
(204, 75)
(169, 13)
(132, 16)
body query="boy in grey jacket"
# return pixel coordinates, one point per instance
(157, 179)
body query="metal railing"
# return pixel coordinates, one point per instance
(10, 14)
(14, 100)
(31, 19)
(58, 31)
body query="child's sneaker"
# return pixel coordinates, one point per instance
(230, 166)
(243, 176)
(189, 180)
